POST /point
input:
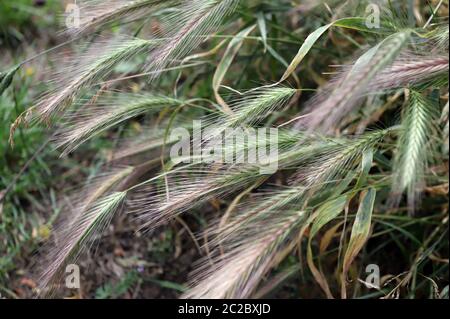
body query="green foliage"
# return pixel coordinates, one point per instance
(112, 291)
(18, 17)
(19, 216)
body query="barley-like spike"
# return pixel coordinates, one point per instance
(413, 147)
(249, 255)
(253, 108)
(355, 84)
(74, 238)
(87, 68)
(109, 112)
(244, 253)
(95, 14)
(198, 18)
(338, 159)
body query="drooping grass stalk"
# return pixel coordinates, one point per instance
(109, 112)
(410, 70)
(195, 19)
(414, 150)
(320, 165)
(150, 139)
(354, 85)
(96, 14)
(250, 254)
(100, 186)
(74, 238)
(85, 69)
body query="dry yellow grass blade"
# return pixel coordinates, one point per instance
(228, 57)
(325, 214)
(360, 233)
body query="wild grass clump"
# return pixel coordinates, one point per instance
(357, 149)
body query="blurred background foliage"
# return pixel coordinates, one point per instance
(21, 20)
(25, 27)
